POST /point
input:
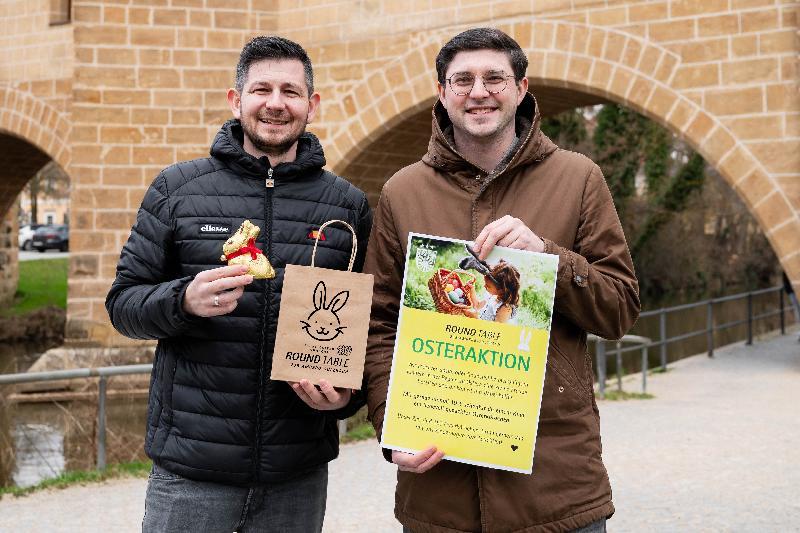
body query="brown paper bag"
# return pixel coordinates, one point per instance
(323, 323)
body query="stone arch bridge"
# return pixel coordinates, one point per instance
(126, 87)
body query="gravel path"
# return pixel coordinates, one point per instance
(718, 449)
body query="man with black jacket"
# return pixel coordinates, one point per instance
(232, 449)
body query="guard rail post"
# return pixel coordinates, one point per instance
(749, 319)
(710, 328)
(644, 369)
(101, 424)
(662, 326)
(600, 355)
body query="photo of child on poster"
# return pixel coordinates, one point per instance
(511, 286)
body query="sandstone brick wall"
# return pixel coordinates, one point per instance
(33, 50)
(144, 84)
(9, 254)
(149, 90)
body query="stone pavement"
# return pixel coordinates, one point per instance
(718, 449)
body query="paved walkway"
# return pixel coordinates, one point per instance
(718, 449)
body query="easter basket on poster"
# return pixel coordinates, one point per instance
(448, 290)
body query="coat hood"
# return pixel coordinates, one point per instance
(227, 146)
(533, 146)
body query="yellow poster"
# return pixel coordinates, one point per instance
(470, 353)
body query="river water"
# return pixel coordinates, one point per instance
(42, 440)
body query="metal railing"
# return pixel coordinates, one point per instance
(644, 344)
(103, 373)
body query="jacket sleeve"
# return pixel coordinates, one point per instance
(384, 261)
(357, 400)
(364, 226)
(597, 288)
(145, 300)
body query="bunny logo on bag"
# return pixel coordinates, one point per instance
(326, 340)
(323, 323)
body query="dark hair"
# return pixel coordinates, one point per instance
(507, 277)
(272, 47)
(482, 39)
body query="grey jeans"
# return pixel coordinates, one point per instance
(174, 503)
(594, 527)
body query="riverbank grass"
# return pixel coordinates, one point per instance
(362, 431)
(79, 477)
(614, 395)
(42, 283)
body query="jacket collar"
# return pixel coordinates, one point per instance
(533, 145)
(227, 146)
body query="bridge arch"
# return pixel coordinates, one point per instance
(32, 133)
(600, 63)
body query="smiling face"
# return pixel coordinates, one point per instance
(481, 114)
(273, 107)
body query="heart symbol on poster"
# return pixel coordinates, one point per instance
(514, 447)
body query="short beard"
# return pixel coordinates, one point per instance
(273, 150)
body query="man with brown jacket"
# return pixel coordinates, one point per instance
(491, 175)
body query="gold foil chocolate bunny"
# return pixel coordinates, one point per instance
(241, 249)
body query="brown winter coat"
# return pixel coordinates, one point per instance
(563, 198)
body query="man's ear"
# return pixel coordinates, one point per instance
(522, 89)
(234, 102)
(313, 106)
(440, 89)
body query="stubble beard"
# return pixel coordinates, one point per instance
(271, 148)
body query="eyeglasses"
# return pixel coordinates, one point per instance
(461, 83)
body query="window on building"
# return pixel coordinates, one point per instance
(60, 12)
(50, 218)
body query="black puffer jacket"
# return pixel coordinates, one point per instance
(213, 412)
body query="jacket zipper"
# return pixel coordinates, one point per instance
(269, 184)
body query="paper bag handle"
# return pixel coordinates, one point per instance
(355, 243)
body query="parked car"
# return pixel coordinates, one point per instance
(26, 235)
(49, 237)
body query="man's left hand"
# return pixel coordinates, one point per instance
(325, 398)
(509, 232)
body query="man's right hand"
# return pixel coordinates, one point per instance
(217, 291)
(417, 462)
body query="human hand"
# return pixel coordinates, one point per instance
(217, 291)
(510, 232)
(326, 398)
(417, 463)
